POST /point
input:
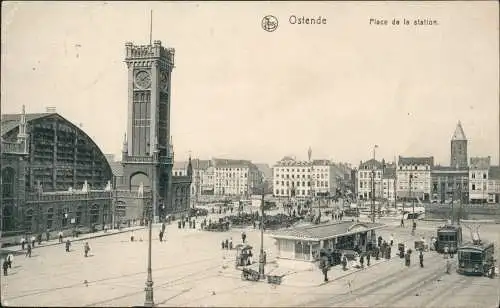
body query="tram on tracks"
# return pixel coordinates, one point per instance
(448, 236)
(476, 259)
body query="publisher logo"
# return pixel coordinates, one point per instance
(270, 23)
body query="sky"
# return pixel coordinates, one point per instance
(244, 93)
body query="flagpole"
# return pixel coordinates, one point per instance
(151, 28)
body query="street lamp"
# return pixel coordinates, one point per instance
(373, 184)
(261, 255)
(149, 302)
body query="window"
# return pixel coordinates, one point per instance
(473, 175)
(484, 175)
(473, 186)
(50, 218)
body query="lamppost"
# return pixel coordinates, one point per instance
(149, 302)
(373, 184)
(412, 205)
(261, 255)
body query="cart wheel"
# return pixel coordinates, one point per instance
(243, 276)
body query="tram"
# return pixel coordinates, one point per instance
(476, 259)
(448, 236)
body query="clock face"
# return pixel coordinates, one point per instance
(143, 79)
(163, 81)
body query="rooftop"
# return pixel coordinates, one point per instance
(389, 173)
(370, 164)
(494, 173)
(231, 163)
(416, 160)
(459, 133)
(480, 162)
(11, 121)
(325, 231)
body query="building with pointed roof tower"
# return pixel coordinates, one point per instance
(458, 157)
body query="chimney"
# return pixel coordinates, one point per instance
(50, 109)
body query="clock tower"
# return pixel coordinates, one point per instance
(147, 151)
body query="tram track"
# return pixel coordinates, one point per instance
(448, 289)
(374, 287)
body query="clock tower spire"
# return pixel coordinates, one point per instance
(147, 153)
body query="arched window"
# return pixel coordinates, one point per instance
(79, 214)
(8, 181)
(28, 220)
(50, 218)
(8, 218)
(120, 209)
(94, 214)
(64, 216)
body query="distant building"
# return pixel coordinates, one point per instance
(389, 182)
(369, 178)
(320, 177)
(449, 184)
(418, 169)
(235, 177)
(266, 173)
(200, 180)
(458, 155)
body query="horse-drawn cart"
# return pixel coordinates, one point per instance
(249, 274)
(274, 279)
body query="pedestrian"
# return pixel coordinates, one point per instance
(421, 258)
(60, 237)
(194, 224)
(344, 263)
(362, 261)
(324, 267)
(402, 224)
(28, 252)
(68, 244)
(5, 266)
(379, 241)
(161, 236)
(392, 239)
(389, 252)
(368, 259)
(243, 236)
(231, 243)
(226, 244)
(448, 266)
(39, 237)
(407, 258)
(254, 225)
(222, 244)
(33, 240)
(23, 243)
(86, 249)
(163, 226)
(47, 234)
(183, 224)
(132, 236)
(9, 259)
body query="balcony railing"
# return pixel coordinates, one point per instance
(169, 159)
(13, 148)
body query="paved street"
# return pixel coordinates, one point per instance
(191, 269)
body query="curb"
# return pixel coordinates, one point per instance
(75, 239)
(338, 277)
